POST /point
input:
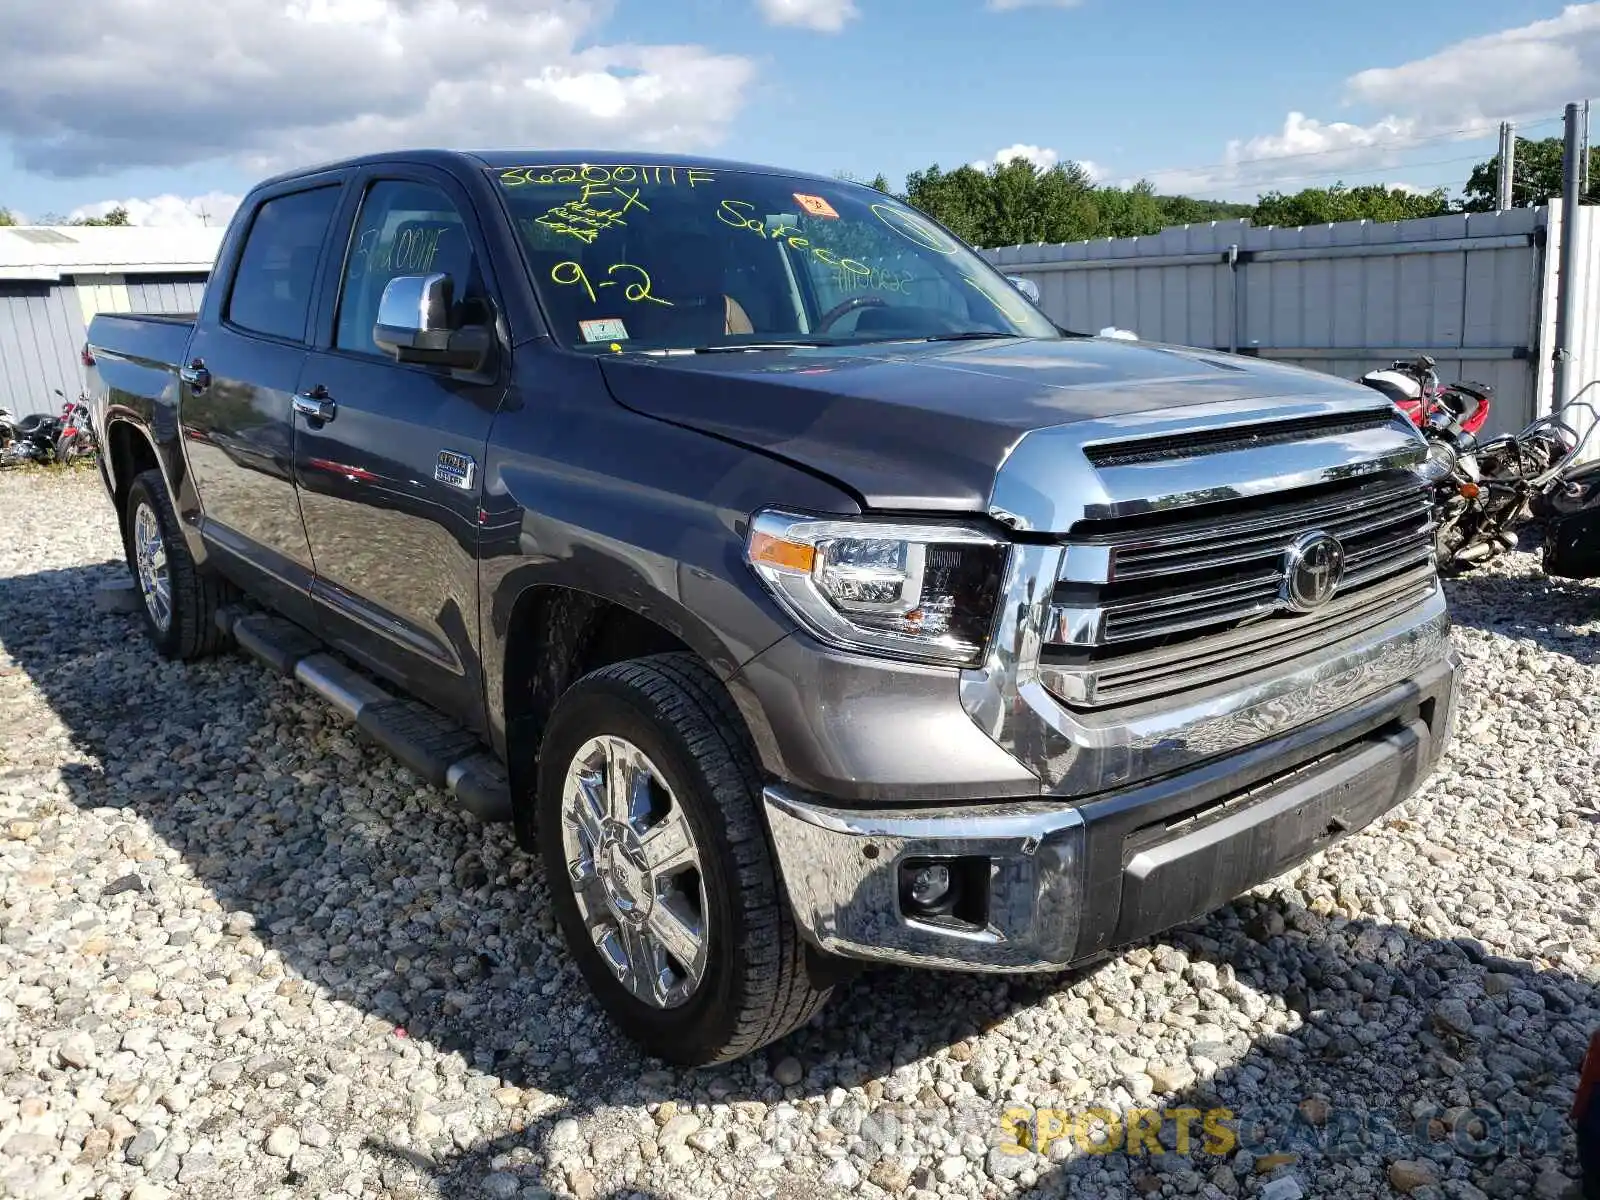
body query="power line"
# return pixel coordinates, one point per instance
(1391, 169)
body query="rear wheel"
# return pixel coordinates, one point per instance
(180, 601)
(659, 868)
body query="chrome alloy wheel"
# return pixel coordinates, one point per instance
(150, 557)
(635, 871)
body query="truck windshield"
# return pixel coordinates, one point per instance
(649, 257)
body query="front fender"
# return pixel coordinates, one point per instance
(639, 513)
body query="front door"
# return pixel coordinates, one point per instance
(389, 475)
(242, 371)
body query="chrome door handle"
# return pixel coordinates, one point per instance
(196, 376)
(315, 405)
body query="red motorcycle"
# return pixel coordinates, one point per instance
(1414, 386)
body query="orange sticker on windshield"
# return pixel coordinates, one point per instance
(816, 206)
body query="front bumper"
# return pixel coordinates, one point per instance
(1066, 881)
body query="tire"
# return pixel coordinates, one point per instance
(193, 597)
(759, 980)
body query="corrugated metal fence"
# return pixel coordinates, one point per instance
(41, 336)
(1342, 298)
(43, 327)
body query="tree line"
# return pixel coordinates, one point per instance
(1014, 202)
(117, 216)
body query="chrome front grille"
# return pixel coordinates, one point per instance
(1150, 605)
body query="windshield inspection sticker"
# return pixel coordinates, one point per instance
(604, 329)
(816, 206)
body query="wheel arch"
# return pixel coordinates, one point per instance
(129, 452)
(554, 635)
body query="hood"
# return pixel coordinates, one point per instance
(926, 426)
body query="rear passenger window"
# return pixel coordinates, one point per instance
(272, 288)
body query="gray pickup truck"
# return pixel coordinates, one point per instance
(797, 588)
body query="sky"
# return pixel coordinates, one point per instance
(173, 109)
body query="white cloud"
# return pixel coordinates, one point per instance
(90, 87)
(1041, 157)
(1479, 81)
(1012, 5)
(1460, 92)
(213, 208)
(828, 16)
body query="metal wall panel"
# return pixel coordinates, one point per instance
(165, 293)
(41, 336)
(1465, 288)
(43, 327)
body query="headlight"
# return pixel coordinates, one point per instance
(1441, 461)
(923, 592)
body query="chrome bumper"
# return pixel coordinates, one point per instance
(1070, 878)
(842, 872)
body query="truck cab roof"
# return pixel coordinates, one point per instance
(504, 159)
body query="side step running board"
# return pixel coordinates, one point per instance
(425, 740)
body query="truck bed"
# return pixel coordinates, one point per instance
(147, 339)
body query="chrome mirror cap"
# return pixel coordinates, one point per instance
(414, 314)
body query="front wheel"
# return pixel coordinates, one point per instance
(650, 825)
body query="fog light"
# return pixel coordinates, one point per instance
(928, 885)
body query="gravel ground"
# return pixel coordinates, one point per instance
(243, 953)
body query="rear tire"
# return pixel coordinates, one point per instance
(755, 979)
(179, 601)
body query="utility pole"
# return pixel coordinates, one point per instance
(1583, 154)
(1503, 196)
(1567, 280)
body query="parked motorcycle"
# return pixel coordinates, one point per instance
(32, 439)
(76, 440)
(1485, 491)
(1414, 386)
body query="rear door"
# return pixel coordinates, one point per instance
(390, 480)
(245, 359)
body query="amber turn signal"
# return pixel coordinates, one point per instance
(776, 552)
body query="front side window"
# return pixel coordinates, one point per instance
(278, 267)
(630, 256)
(404, 228)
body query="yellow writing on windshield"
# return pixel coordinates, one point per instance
(738, 214)
(916, 228)
(586, 221)
(635, 287)
(605, 175)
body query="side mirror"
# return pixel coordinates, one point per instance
(1027, 287)
(415, 325)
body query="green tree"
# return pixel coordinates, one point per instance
(1536, 175)
(1015, 202)
(1128, 212)
(1370, 202)
(6, 218)
(117, 216)
(1181, 210)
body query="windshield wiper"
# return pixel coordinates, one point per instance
(970, 335)
(737, 347)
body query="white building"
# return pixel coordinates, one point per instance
(53, 279)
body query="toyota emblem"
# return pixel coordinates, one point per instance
(1313, 568)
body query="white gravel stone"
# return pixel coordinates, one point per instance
(229, 925)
